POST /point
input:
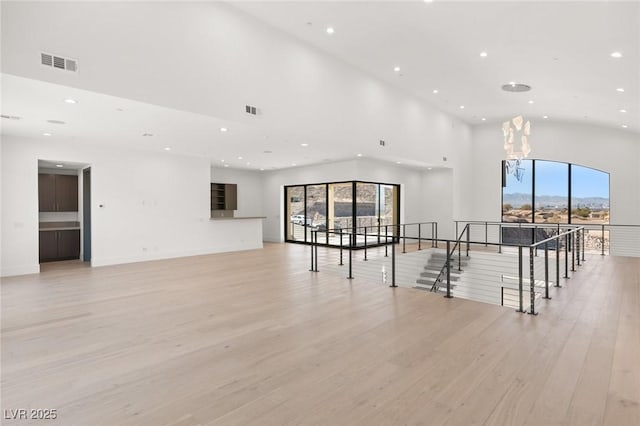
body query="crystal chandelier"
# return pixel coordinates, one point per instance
(514, 155)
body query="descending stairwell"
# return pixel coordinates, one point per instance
(434, 276)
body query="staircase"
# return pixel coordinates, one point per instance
(431, 279)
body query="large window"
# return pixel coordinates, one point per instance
(554, 192)
(551, 192)
(517, 194)
(347, 207)
(589, 195)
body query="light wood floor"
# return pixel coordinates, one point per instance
(255, 338)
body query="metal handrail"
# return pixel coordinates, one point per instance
(447, 262)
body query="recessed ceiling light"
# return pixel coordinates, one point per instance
(248, 163)
(396, 69)
(167, 148)
(483, 54)
(223, 129)
(616, 55)
(293, 164)
(624, 126)
(620, 89)
(461, 106)
(262, 170)
(226, 165)
(239, 158)
(429, 168)
(398, 162)
(530, 102)
(623, 110)
(59, 165)
(512, 83)
(359, 155)
(304, 144)
(330, 30)
(47, 134)
(483, 119)
(435, 91)
(545, 116)
(222, 161)
(147, 134)
(428, 1)
(71, 101)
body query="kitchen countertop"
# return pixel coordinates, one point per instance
(59, 226)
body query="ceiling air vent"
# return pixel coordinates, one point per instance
(251, 110)
(55, 61)
(10, 117)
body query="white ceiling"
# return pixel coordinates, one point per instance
(561, 49)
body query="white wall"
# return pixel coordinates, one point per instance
(610, 150)
(250, 200)
(420, 189)
(153, 205)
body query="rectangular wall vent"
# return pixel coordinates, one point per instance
(382, 143)
(55, 61)
(251, 110)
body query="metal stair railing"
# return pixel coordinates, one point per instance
(447, 264)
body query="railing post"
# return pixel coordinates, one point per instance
(312, 257)
(546, 271)
(578, 246)
(393, 265)
(351, 257)
(566, 256)
(433, 235)
(316, 250)
(341, 247)
(602, 240)
(419, 237)
(404, 238)
(500, 238)
(532, 283)
(486, 233)
(436, 235)
(583, 243)
(558, 242)
(365, 244)
(448, 296)
(386, 240)
(520, 292)
(468, 238)
(459, 249)
(573, 249)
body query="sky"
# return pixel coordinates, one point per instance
(552, 178)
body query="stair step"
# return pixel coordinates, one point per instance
(433, 276)
(429, 283)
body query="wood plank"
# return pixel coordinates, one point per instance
(255, 338)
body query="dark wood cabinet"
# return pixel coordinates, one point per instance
(59, 245)
(224, 196)
(57, 193)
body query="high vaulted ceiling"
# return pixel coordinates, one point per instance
(561, 49)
